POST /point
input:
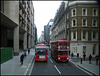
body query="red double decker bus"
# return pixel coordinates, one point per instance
(41, 53)
(59, 50)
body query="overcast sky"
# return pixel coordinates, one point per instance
(43, 12)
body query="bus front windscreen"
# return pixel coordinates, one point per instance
(41, 51)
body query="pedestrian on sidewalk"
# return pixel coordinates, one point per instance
(72, 54)
(84, 55)
(90, 58)
(77, 55)
(28, 51)
(97, 58)
(81, 59)
(25, 54)
(21, 59)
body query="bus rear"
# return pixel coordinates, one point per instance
(41, 53)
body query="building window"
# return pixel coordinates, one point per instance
(94, 23)
(73, 22)
(84, 49)
(84, 22)
(84, 11)
(74, 35)
(74, 12)
(94, 12)
(84, 34)
(94, 35)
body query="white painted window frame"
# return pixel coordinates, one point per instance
(96, 12)
(85, 24)
(96, 39)
(86, 39)
(72, 12)
(72, 32)
(93, 21)
(75, 22)
(85, 12)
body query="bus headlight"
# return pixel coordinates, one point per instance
(67, 58)
(58, 58)
(67, 47)
(58, 47)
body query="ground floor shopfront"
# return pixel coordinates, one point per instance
(87, 48)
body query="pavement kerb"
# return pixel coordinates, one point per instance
(27, 71)
(73, 62)
(82, 67)
(86, 69)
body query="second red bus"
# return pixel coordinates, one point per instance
(59, 50)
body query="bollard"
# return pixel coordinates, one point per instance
(81, 60)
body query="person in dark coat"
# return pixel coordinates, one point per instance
(21, 59)
(28, 51)
(97, 58)
(25, 54)
(90, 57)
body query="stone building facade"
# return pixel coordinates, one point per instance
(81, 27)
(17, 24)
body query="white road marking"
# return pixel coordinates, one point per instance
(28, 67)
(24, 66)
(57, 69)
(51, 60)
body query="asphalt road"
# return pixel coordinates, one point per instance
(56, 68)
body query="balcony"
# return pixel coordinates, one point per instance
(20, 5)
(20, 12)
(20, 18)
(23, 16)
(20, 23)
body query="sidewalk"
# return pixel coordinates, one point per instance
(13, 66)
(92, 68)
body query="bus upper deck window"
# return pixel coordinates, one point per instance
(65, 43)
(60, 43)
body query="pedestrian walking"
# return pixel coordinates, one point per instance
(77, 55)
(28, 51)
(25, 54)
(72, 54)
(81, 59)
(84, 55)
(97, 58)
(90, 58)
(21, 59)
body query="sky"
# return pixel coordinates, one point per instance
(43, 12)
